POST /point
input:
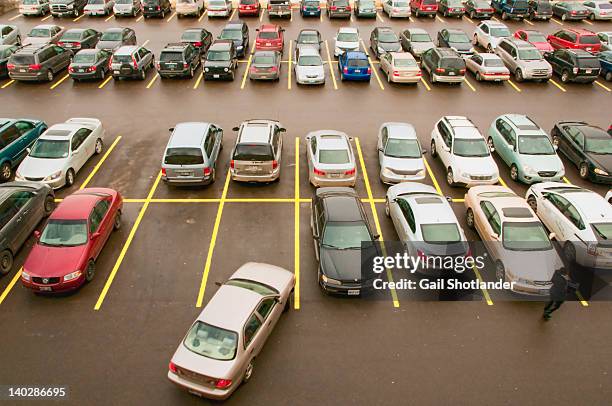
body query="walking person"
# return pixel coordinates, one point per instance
(558, 291)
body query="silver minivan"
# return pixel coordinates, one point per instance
(257, 154)
(191, 155)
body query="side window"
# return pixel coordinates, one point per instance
(142, 52)
(513, 52)
(559, 202)
(209, 144)
(9, 135)
(265, 308)
(8, 210)
(79, 137)
(571, 36)
(572, 215)
(250, 329)
(23, 126)
(21, 198)
(384, 136)
(276, 139)
(485, 28)
(313, 145)
(408, 214)
(492, 216)
(97, 214)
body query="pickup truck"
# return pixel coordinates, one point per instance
(63, 8)
(517, 9)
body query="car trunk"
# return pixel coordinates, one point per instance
(184, 163)
(451, 67)
(24, 64)
(358, 67)
(124, 65)
(254, 159)
(171, 61)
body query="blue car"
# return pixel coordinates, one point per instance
(605, 60)
(16, 136)
(354, 65)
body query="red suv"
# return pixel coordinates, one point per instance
(424, 7)
(249, 8)
(270, 38)
(575, 38)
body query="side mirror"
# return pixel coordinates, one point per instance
(36, 234)
(171, 129)
(552, 236)
(556, 146)
(492, 149)
(380, 149)
(316, 237)
(283, 130)
(449, 199)
(277, 299)
(218, 283)
(447, 149)
(423, 151)
(376, 236)
(495, 236)
(28, 150)
(95, 235)
(235, 128)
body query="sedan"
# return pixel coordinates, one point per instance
(99, 7)
(416, 41)
(266, 65)
(16, 136)
(79, 38)
(44, 34)
(308, 38)
(331, 161)
(455, 39)
(65, 253)
(218, 352)
(5, 53)
(382, 40)
(9, 35)
(61, 151)
(487, 67)
(347, 39)
(400, 155)
(489, 33)
(343, 240)
(354, 66)
(114, 38)
(89, 64)
(570, 10)
(24, 205)
(598, 9)
(536, 38)
(309, 68)
(400, 67)
(199, 38)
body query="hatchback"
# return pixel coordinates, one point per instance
(200, 38)
(424, 8)
(383, 39)
(400, 67)
(455, 39)
(220, 8)
(310, 8)
(79, 38)
(331, 161)
(89, 64)
(540, 10)
(354, 65)
(238, 33)
(270, 37)
(400, 155)
(487, 67)
(38, 62)
(338, 8)
(44, 34)
(365, 8)
(524, 60)
(192, 153)
(308, 38)
(265, 65)
(443, 65)
(131, 62)
(575, 38)
(114, 38)
(178, 60)
(574, 65)
(16, 136)
(396, 8)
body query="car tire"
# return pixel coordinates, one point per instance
(90, 272)
(608, 76)
(191, 73)
(70, 177)
(75, 14)
(143, 75)
(518, 75)
(500, 271)
(592, 17)
(490, 144)
(450, 177)
(387, 208)
(489, 49)
(504, 16)
(18, 40)
(469, 218)
(433, 152)
(533, 203)
(514, 175)
(248, 373)
(569, 252)
(564, 17)
(565, 76)
(478, 77)
(117, 222)
(475, 40)
(163, 14)
(49, 205)
(50, 75)
(6, 171)
(584, 170)
(6, 262)
(472, 14)
(99, 147)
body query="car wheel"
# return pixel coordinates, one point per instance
(191, 73)
(533, 203)
(500, 271)
(134, 13)
(518, 75)
(472, 15)
(142, 75)
(90, 271)
(569, 252)
(478, 77)
(49, 205)
(6, 262)
(564, 17)
(609, 76)
(514, 173)
(70, 177)
(434, 153)
(288, 306)
(475, 40)
(490, 144)
(469, 218)
(489, 49)
(49, 75)
(76, 12)
(387, 208)
(117, 222)
(592, 17)
(565, 76)
(163, 14)
(99, 147)
(450, 178)
(504, 16)
(18, 40)
(584, 170)
(248, 373)
(6, 171)
(555, 140)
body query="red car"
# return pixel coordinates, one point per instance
(248, 8)
(64, 255)
(424, 7)
(270, 38)
(536, 38)
(575, 38)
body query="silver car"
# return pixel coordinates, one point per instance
(116, 37)
(192, 153)
(599, 9)
(331, 161)
(606, 40)
(258, 151)
(34, 7)
(99, 7)
(523, 60)
(347, 39)
(308, 38)
(126, 8)
(266, 65)
(399, 153)
(9, 35)
(487, 67)
(44, 34)
(416, 41)
(219, 350)
(309, 67)
(396, 8)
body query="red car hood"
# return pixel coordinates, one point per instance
(47, 261)
(543, 46)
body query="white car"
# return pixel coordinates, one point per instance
(464, 152)
(9, 35)
(400, 155)
(488, 34)
(609, 196)
(34, 7)
(331, 161)
(396, 8)
(190, 7)
(599, 10)
(400, 67)
(44, 34)
(127, 8)
(425, 223)
(347, 39)
(61, 151)
(580, 218)
(309, 67)
(99, 7)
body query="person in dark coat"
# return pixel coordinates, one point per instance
(558, 292)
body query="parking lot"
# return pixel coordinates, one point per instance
(110, 342)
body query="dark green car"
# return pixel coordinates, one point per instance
(16, 136)
(574, 65)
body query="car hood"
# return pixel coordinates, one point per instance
(532, 265)
(460, 46)
(406, 164)
(217, 64)
(186, 359)
(420, 47)
(478, 166)
(604, 161)
(309, 70)
(540, 64)
(341, 264)
(36, 40)
(347, 44)
(108, 45)
(47, 261)
(543, 46)
(40, 168)
(543, 162)
(390, 46)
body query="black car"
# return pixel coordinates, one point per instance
(178, 60)
(456, 39)
(156, 8)
(574, 65)
(478, 9)
(22, 206)
(540, 10)
(199, 38)
(221, 61)
(383, 40)
(443, 65)
(5, 53)
(238, 33)
(89, 64)
(451, 8)
(586, 146)
(340, 229)
(79, 38)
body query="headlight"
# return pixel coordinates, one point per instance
(524, 281)
(54, 176)
(600, 172)
(239, 47)
(465, 175)
(421, 172)
(225, 70)
(330, 280)
(18, 176)
(528, 169)
(381, 50)
(206, 69)
(25, 276)
(72, 276)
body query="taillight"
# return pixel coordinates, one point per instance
(171, 365)
(345, 70)
(10, 66)
(232, 164)
(369, 70)
(273, 69)
(319, 8)
(396, 73)
(157, 65)
(70, 69)
(91, 69)
(223, 383)
(206, 171)
(164, 174)
(440, 70)
(158, 8)
(77, 44)
(319, 172)
(333, 8)
(134, 62)
(350, 172)
(197, 44)
(185, 65)
(274, 164)
(348, 8)
(110, 62)
(35, 66)
(253, 69)
(60, 44)
(419, 73)
(572, 12)
(462, 71)
(304, 8)
(575, 70)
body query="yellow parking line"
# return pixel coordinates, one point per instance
(59, 82)
(583, 302)
(246, 72)
(566, 180)
(502, 182)
(105, 81)
(230, 19)
(558, 85)
(46, 18)
(587, 22)
(527, 21)
(213, 241)
(364, 172)
(554, 20)
(197, 83)
(494, 18)
(78, 18)
(180, 200)
(127, 244)
(458, 200)
(202, 16)
(426, 85)
(12, 283)
(440, 19)
(484, 291)
(331, 67)
(410, 19)
(321, 16)
(374, 70)
(469, 84)
(296, 226)
(152, 80)
(380, 18)
(468, 18)
(139, 18)
(7, 84)
(290, 66)
(261, 15)
(171, 17)
(15, 17)
(598, 83)
(99, 164)
(518, 89)
(109, 17)
(144, 44)
(433, 177)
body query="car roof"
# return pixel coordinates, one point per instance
(446, 52)
(356, 55)
(269, 27)
(519, 43)
(509, 207)
(579, 31)
(62, 131)
(401, 130)
(230, 307)
(429, 207)
(222, 45)
(89, 51)
(348, 30)
(76, 30)
(522, 122)
(76, 206)
(265, 53)
(32, 48)
(234, 25)
(309, 51)
(592, 206)
(455, 30)
(10, 187)
(331, 139)
(256, 131)
(401, 55)
(417, 31)
(114, 29)
(309, 31)
(463, 127)
(580, 53)
(493, 23)
(342, 206)
(384, 29)
(188, 134)
(175, 46)
(488, 55)
(46, 26)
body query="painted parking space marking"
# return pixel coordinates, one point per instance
(197, 83)
(99, 164)
(59, 82)
(203, 15)
(7, 84)
(171, 17)
(109, 17)
(101, 85)
(514, 86)
(290, 69)
(558, 85)
(606, 88)
(152, 81)
(9, 287)
(296, 226)
(246, 71)
(331, 69)
(15, 17)
(467, 82)
(78, 18)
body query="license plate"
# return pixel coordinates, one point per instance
(312, 13)
(357, 71)
(588, 71)
(451, 73)
(353, 292)
(429, 9)
(22, 70)
(216, 76)
(184, 173)
(195, 393)
(45, 288)
(335, 175)
(80, 70)
(268, 44)
(263, 76)
(116, 72)
(252, 168)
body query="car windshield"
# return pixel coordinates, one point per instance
(471, 147)
(589, 39)
(535, 145)
(263, 60)
(50, 149)
(111, 36)
(367, 4)
(358, 63)
(493, 63)
(167, 56)
(500, 32)
(600, 146)
(64, 233)
(84, 58)
(310, 60)
(529, 54)
(308, 38)
(253, 286)
(334, 156)
(253, 152)
(184, 156)
(191, 36)
(268, 35)
(402, 148)
(231, 34)
(211, 342)
(71, 36)
(420, 38)
(218, 55)
(454, 3)
(440, 233)
(525, 237)
(400, 4)
(387, 36)
(603, 231)
(458, 37)
(536, 37)
(217, 3)
(124, 1)
(95, 2)
(345, 235)
(39, 33)
(347, 37)
(30, 2)
(404, 63)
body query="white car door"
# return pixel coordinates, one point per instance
(382, 141)
(444, 144)
(79, 150)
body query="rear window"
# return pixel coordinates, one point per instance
(184, 156)
(440, 233)
(494, 63)
(171, 56)
(605, 6)
(544, 6)
(84, 58)
(340, 3)
(253, 152)
(122, 58)
(39, 33)
(248, 1)
(211, 342)
(151, 2)
(452, 63)
(430, 2)
(263, 60)
(603, 231)
(268, 35)
(30, 2)
(588, 63)
(22, 59)
(358, 63)
(404, 63)
(71, 36)
(589, 39)
(334, 156)
(231, 34)
(111, 36)
(191, 36)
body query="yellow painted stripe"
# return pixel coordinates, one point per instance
(587, 22)
(469, 84)
(261, 14)
(484, 291)
(375, 215)
(598, 83)
(127, 244)
(374, 69)
(171, 17)
(290, 66)
(554, 20)
(202, 16)
(558, 85)
(109, 17)
(139, 18)
(458, 200)
(296, 226)
(153, 80)
(144, 44)
(78, 18)
(46, 18)
(440, 19)
(59, 82)
(105, 81)
(9, 287)
(502, 182)
(331, 68)
(7, 84)
(566, 180)
(230, 19)
(213, 241)
(246, 72)
(197, 83)
(426, 85)
(527, 21)
(99, 164)
(15, 17)
(433, 177)
(494, 18)
(518, 89)
(380, 18)
(578, 295)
